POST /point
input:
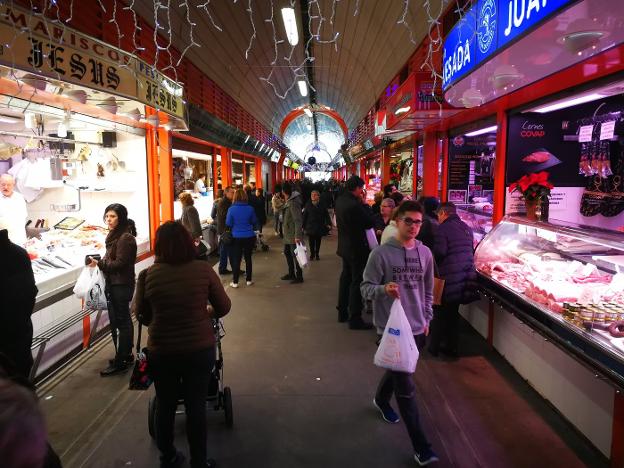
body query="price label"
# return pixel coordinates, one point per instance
(606, 130)
(548, 235)
(585, 133)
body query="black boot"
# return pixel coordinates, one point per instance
(117, 367)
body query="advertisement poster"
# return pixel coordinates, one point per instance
(471, 163)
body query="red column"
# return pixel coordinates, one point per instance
(385, 167)
(430, 163)
(259, 182)
(500, 164)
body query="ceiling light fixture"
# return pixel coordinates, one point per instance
(290, 25)
(402, 110)
(303, 88)
(564, 103)
(9, 119)
(307, 112)
(481, 131)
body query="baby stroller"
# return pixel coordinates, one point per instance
(260, 244)
(219, 395)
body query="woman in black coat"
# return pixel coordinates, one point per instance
(316, 223)
(260, 208)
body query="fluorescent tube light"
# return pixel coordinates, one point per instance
(482, 131)
(303, 87)
(402, 110)
(307, 112)
(567, 103)
(290, 25)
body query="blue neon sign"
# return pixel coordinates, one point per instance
(486, 28)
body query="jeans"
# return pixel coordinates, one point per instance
(291, 261)
(349, 295)
(118, 297)
(184, 376)
(315, 245)
(224, 255)
(445, 327)
(404, 389)
(242, 246)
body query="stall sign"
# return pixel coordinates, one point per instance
(459, 54)
(158, 91)
(30, 43)
(486, 28)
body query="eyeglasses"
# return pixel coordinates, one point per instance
(409, 221)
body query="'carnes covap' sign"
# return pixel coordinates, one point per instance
(487, 27)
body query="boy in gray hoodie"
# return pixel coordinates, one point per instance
(403, 268)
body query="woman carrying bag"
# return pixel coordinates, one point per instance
(177, 298)
(118, 269)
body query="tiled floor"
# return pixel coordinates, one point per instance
(302, 386)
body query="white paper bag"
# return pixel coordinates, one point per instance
(301, 254)
(371, 237)
(81, 288)
(90, 287)
(397, 350)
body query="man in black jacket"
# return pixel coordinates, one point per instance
(353, 218)
(18, 293)
(454, 253)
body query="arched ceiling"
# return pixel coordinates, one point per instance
(299, 137)
(350, 74)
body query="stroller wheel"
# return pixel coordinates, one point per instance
(227, 407)
(151, 416)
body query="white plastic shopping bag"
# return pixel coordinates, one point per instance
(81, 288)
(302, 255)
(90, 287)
(397, 350)
(371, 238)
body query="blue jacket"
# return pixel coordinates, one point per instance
(453, 251)
(241, 219)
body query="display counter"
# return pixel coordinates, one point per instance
(553, 306)
(478, 217)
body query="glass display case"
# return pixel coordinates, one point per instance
(478, 218)
(566, 280)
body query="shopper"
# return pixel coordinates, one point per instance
(391, 230)
(316, 223)
(389, 190)
(18, 293)
(260, 208)
(177, 298)
(118, 268)
(224, 247)
(453, 250)
(377, 202)
(383, 218)
(293, 232)
(190, 216)
(277, 203)
(215, 204)
(353, 217)
(242, 220)
(23, 438)
(403, 269)
(430, 225)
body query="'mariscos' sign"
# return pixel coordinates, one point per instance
(488, 27)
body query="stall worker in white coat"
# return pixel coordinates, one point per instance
(13, 209)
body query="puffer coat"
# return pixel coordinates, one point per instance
(454, 254)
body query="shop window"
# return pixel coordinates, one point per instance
(237, 172)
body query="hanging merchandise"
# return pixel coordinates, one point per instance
(593, 197)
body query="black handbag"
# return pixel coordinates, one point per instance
(227, 238)
(140, 378)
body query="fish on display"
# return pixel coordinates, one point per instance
(539, 160)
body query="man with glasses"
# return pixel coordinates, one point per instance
(402, 268)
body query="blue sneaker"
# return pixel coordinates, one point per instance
(426, 457)
(387, 413)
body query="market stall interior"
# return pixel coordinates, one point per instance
(471, 177)
(69, 160)
(188, 167)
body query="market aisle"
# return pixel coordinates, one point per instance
(302, 387)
